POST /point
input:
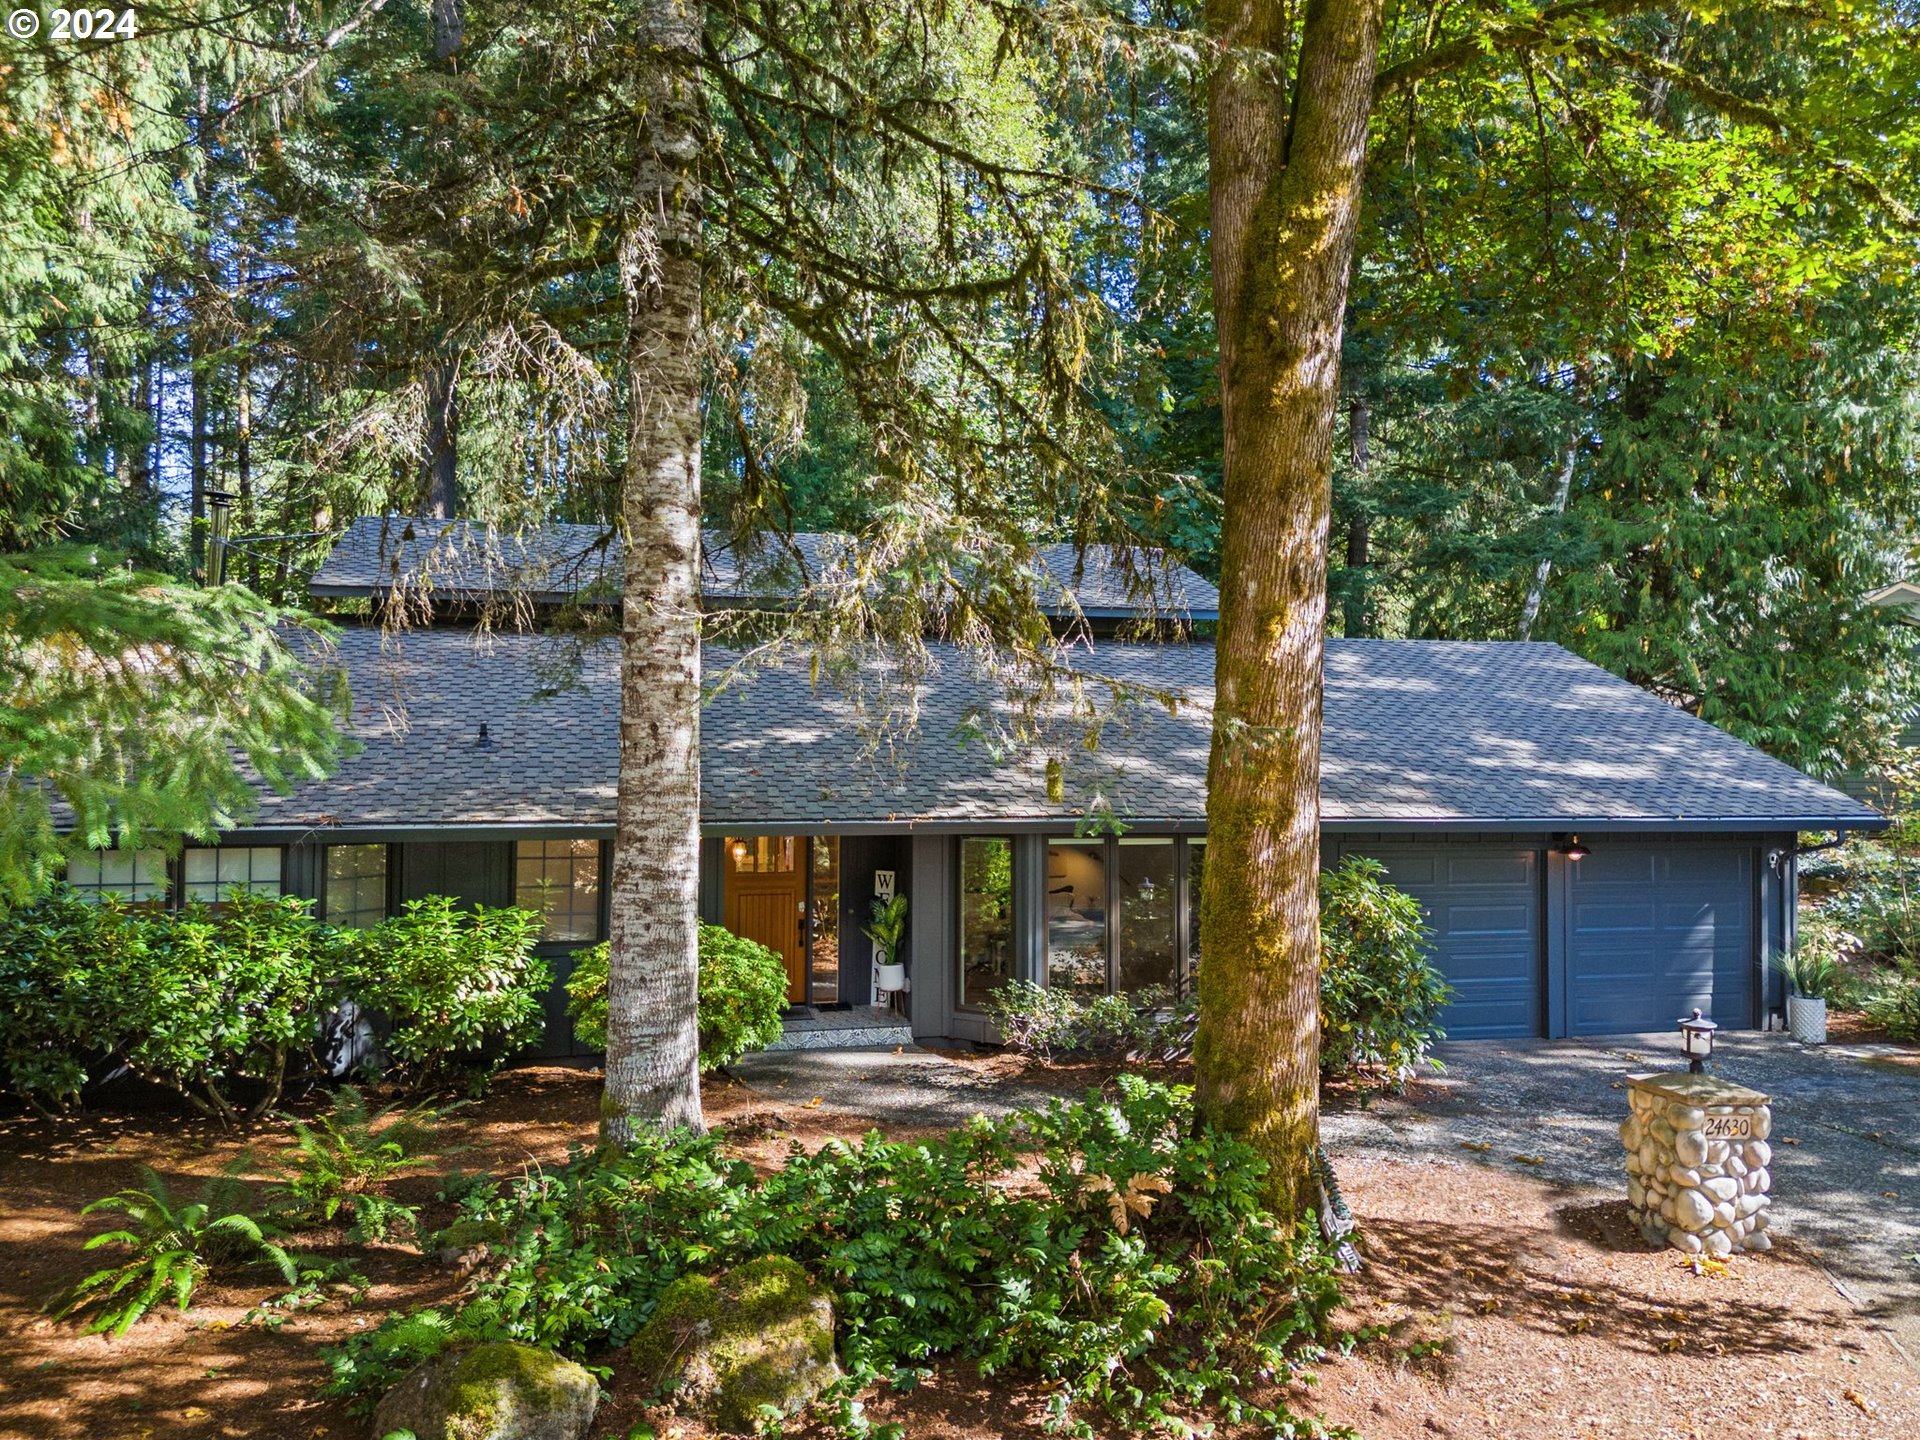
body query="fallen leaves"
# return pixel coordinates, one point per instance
(1531, 1159)
(1136, 1197)
(1481, 1145)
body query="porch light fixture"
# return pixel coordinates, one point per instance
(1696, 1040)
(1574, 850)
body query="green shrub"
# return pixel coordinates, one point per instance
(462, 990)
(1139, 1274)
(1870, 890)
(60, 1017)
(1056, 1023)
(1815, 967)
(1895, 1008)
(197, 1000)
(220, 994)
(173, 1246)
(1380, 997)
(743, 991)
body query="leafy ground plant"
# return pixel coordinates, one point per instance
(340, 1160)
(1111, 1247)
(173, 1246)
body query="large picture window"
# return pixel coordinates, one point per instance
(211, 874)
(356, 885)
(1077, 916)
(823, 920)
(129, 875)
(560, 879)
(1145, 892)
(986, 918)
(1196, 871)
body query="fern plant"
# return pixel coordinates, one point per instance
(173, 1246)
(341, 1158)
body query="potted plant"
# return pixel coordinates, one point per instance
(1811, 969)
(889, 925)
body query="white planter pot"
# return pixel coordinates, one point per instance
(891, 977)
(1807, 1020)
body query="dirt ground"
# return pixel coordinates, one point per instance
(1492, 1305)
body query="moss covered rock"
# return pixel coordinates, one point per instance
(496, 1391)
(730, 1348)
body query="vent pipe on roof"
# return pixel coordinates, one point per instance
(219, 523)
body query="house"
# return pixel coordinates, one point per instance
(1591, 860)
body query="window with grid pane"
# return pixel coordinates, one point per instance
(356, 885)
(129, 875)
(561, 880)
(209, 874)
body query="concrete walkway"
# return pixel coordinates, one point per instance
(911, 1087)
(1846, 1137)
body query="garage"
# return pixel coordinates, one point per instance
(1483, 904)
(1654, 930)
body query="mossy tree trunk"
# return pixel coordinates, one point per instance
(1286, 164)
(653, 964)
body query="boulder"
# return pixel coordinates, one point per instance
(738, 1348)
(495, 1391)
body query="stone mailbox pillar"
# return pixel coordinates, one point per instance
(1697, 1162)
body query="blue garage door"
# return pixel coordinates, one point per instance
(1483, 903)
(1655, 930)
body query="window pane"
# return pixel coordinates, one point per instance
(1077, 915)
(823, 921)
(763, 854)
(356, 885)
(561, 880)
(986, 918)
(211, 873)
(1145, 902)
(1196, 867)
(130, 875)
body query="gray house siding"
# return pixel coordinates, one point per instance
(1627, 939)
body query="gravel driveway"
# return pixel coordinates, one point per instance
(1846, 1137)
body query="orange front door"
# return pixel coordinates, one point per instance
(766, 898)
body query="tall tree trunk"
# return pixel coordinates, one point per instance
(1562, 493)
(1285, 183)
(1359, 529)
(439, 472)
(653, 980)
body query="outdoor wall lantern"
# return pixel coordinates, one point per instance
(1574, 850)
(1696, 1040)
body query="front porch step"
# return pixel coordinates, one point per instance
(859, 1028)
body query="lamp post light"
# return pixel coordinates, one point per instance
(1696, 1041)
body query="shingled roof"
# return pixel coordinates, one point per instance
(1418, 733)
(554, 563)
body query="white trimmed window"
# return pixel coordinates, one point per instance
(561, 880)
(356, 885)
(209, 874)
(129, 875)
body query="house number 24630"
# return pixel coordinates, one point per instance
(1729, 1127)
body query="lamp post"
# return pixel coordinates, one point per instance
(1696, 1041)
